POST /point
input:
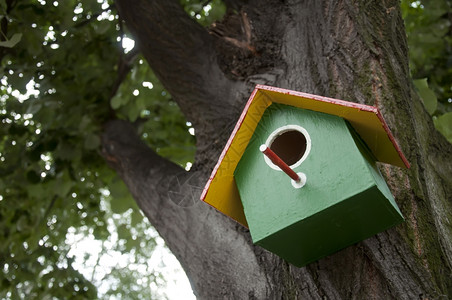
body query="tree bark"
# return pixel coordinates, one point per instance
(351, 50)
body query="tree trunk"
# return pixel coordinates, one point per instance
(350, 50)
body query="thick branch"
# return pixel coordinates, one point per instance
(234, 4)
(169, 197)
(182, 55)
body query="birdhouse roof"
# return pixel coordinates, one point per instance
(221, 190)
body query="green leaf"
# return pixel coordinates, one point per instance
(62, 187)
(120, 205)
(100, 233)
(132, 243)
(133, 113)
(121, 200)
(12, 41)
(22, 224)
(444, 125)
(102, 27)
(116, 101)
(36, 190)
(123, 232)
(92, 141)
(67, 151)
(84, 123)
(136, 218)
(33, 107)
(196, 7)
(3, 8)
(427, 95)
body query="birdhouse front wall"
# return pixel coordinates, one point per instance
(343, 200)
(333, 168)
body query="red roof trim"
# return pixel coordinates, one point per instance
(319, 98)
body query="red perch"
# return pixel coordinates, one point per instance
(279, 162)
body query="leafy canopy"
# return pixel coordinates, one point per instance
(65, 72)
(429, 29)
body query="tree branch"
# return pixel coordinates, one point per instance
(125, 63)
(181, 53)
(169, 196)
(235, 4)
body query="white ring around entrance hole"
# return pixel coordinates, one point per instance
(279, 131)
(299, 185)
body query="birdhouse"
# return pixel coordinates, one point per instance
(300, 171)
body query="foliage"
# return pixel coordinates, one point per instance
(204, 12)
(143, 100)
(59, 62)
(67, 70)
(429, 29)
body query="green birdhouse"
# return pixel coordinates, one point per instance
(300, 171)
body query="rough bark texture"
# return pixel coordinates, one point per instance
(351, 50)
